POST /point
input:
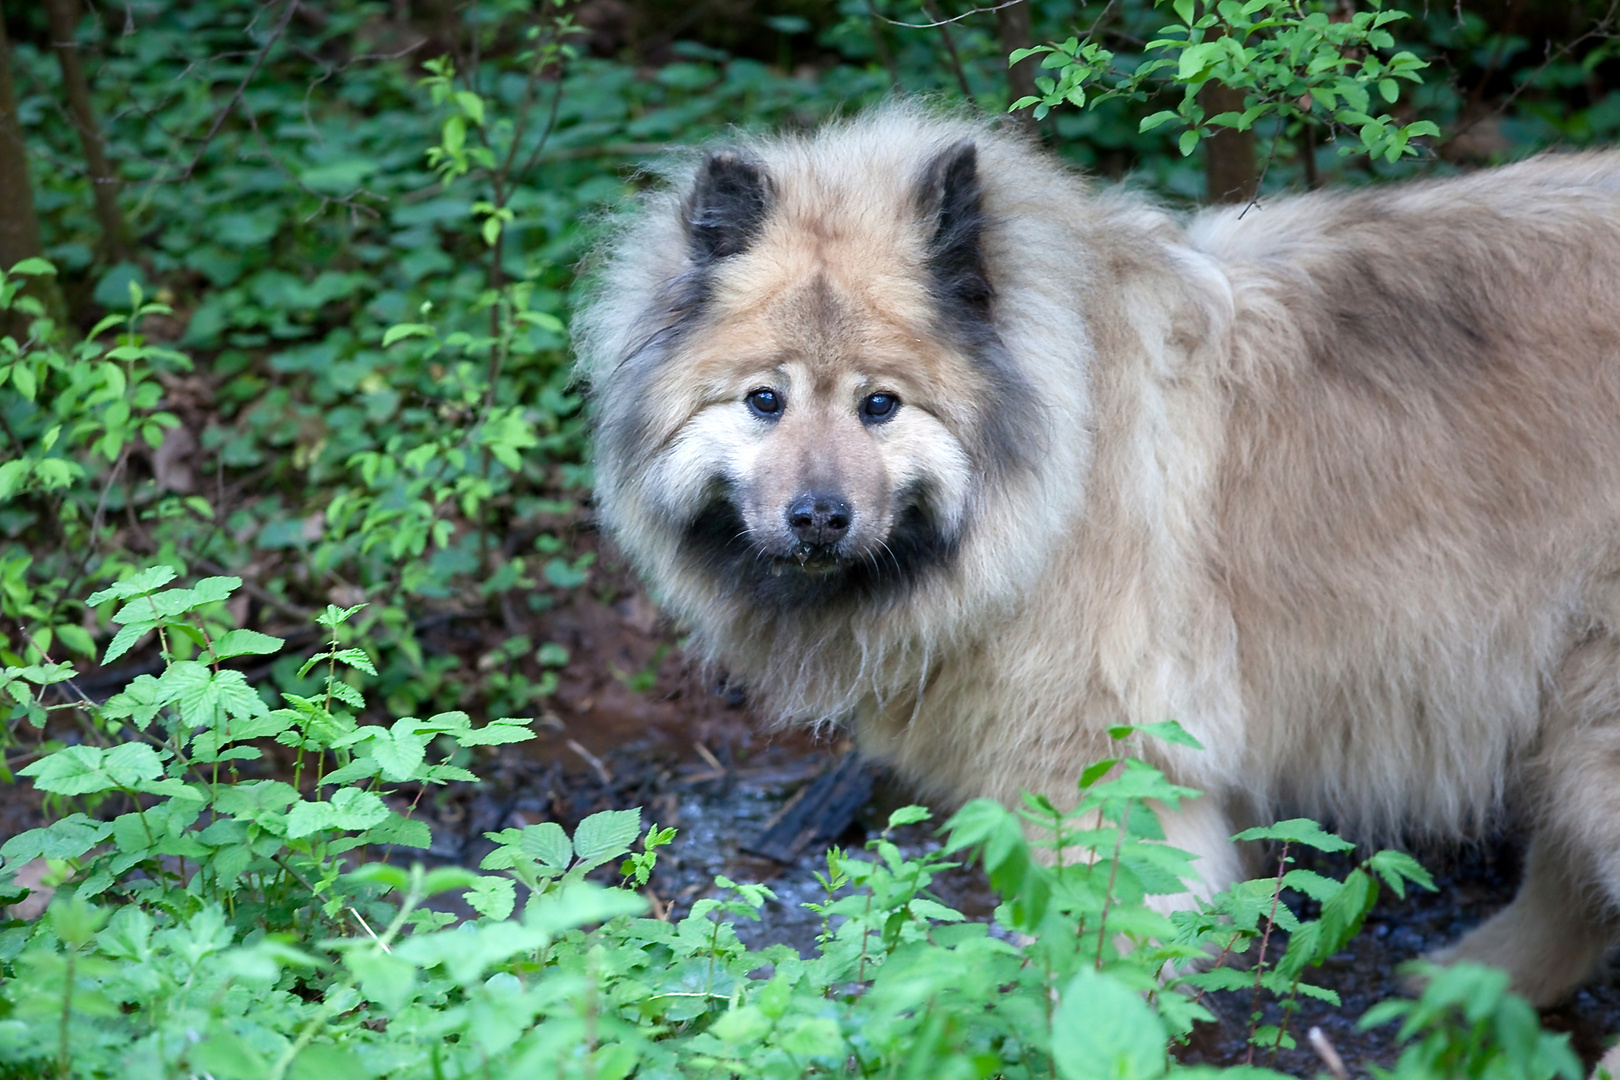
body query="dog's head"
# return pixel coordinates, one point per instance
(819, 393)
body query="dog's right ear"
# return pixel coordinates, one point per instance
(727, 206)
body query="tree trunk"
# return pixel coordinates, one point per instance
(19, 224)
(1017, 33)
(115, 241)
(1231, 168)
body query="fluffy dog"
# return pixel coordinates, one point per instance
(916, 429)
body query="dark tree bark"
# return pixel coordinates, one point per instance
(1231, 167)
(1017, 33)
(19, 223)
(115, 241)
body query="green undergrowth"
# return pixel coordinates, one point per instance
(236, 895)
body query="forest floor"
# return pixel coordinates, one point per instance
(692, 757)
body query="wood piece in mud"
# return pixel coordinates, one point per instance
(821, 811)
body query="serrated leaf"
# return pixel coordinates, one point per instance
(130, 763)
(135, 585)
(349, 809)
(548, 844)
(347, 694)
(1298, 831)
(355, 658)
(65, 838)
(1103, 1030)
(606, 835)
(494, 734)
(400, 830)
(245, 643)
(125, 640)
(492, 897)
(74, 770)
(401, 751)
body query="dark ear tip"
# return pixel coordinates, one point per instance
(729, 200)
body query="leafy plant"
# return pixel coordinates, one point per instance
(1295, 63)
(208, 919)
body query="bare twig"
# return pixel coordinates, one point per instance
(944, 22)
(950, 50)
(1603, 28)
(241, 87)
(594, 762)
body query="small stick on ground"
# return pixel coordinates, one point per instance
(1325, 1050)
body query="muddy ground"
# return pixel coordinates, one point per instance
(688, 752)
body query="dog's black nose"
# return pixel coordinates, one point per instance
(819, 520)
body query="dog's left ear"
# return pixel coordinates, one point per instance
(950, 200)
(726, 206)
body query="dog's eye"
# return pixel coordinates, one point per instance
(879, 407)
(765, 402)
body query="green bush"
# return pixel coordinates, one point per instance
(210, 922)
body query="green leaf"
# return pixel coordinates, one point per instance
(1167, 730)
(227, 1055)
(65, 838)
(130, 763)
(125, 640)
(1298, 831)
(135, 585)
(407, 330)
(401, 751)
(245, 643)
(1103, 1030)
(74, 770)
(909, 815)
(548, 844)
(492, 897)
(1188, 141)
(606, 835)
(1164, 116)
(349, 809)
(33, 266)
(327, 1061)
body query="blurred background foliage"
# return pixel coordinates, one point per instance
(313, 264)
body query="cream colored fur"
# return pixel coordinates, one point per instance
(1334, 482)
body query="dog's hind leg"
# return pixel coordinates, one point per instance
(1554, 934)
(1201, 828)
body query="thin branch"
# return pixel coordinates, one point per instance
(1603, 28)
(241, 87)
(950, 50)
(943, 22)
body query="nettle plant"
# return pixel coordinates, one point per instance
(212, 917)
(1295, 63)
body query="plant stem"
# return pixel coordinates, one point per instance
(1108, 897)
(1260, 961)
